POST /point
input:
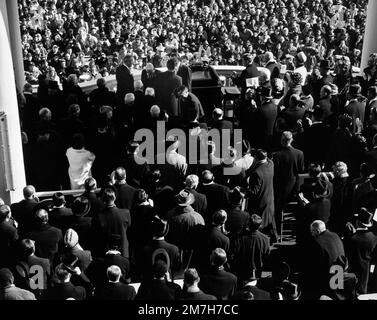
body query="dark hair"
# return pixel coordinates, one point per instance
(142, 196)
(172, 63)
(219, 217)
(108, 195)
(27, 248)
(190, 276)
(78, 141)
(314, 170)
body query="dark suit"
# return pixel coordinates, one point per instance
(102, 97)
(136, 172)
(96, 271)
(149, 80)
(251, 71)
(218, 283)
(265, 118)
(167, 82)
(186, 74)
(250, 252)
(371, 159)
(359, 249)
(316, 142)
(8, 236)
(319, 256)
(84, 256)
(116, 291)
(23, 213)
(200, 204)
(96, 205)
(125, 82)
(237, 221)
(44, 263)
(60, 218)
(261, 188)
(288, 164)
(158, 290)
(274, 68)
(126, 196)
(192, 296)
(151, 247)
(111, 221)
(217, 198)
(48, 240)
(356, 109)
(216, 239)
(63, 291)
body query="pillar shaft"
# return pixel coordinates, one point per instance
(12, 171)
(15, 43)
(370, 36)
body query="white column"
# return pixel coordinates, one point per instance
(15, 43)
(370, 36)
(12, 170)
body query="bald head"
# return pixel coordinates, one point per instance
(29, 192)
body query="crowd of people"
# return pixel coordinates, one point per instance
(90, 38)
(211, 221)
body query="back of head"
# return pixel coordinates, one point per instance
(27, 248)
(78, 141)
(160, 269)
(120, 174)
(4, 212)
(141, 196)
(218, 257)
(207, 176)
(41, 216)
(219, 217)
(101, 83)
(255, 222)
(108, 196)
(61, 273)
(113, 273)
(28, 88)
(139, 85)
(286, 138)
(74, 110)
(192, 181)
(149, 92)
(80, 206)
(191, 277)
(155, 111)
(260, 155)
(172, 64)
(129, 98)
(317, 227)
(58, 199)
(314, 170)
(90, 184)
(345, 121)
(28, 192)
(159, 227)
(6, 277)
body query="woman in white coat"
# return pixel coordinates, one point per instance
(80, 162)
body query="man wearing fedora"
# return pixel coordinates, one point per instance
(237, 220)
(250, 251)
(160, 229)
(265, 120)
(355, 106)
(360, 248)
(184, 222)
(250, 72)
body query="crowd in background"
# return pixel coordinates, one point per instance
(92, 37)
(153, 222)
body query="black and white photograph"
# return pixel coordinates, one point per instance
(186, 156)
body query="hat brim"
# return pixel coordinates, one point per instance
(189, 201)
